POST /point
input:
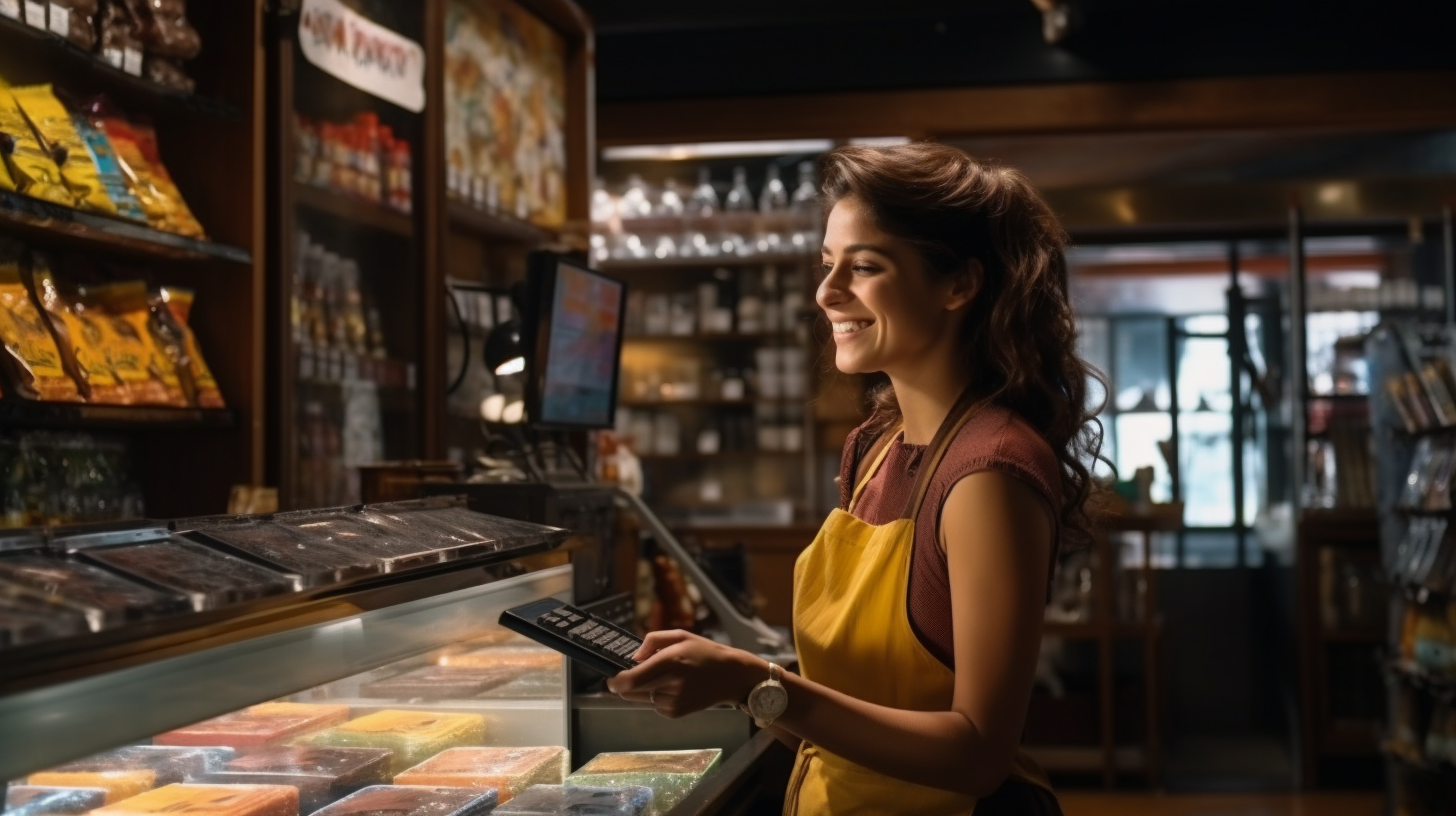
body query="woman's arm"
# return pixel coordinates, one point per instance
(998, 533)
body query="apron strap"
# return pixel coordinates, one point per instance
(880, 449)
(965, 407)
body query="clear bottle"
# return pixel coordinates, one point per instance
(805, 208)
(670, 202)
(701, 205)
(635, 202)
(704, 201)
(740, 198)
(775, 198)
(806, 194)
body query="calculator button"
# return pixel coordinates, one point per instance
(592, 631)
(581, 629)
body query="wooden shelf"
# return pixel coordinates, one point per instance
(357, 210)
(709, 403)
(671, 264)
(1087, 759)
(102, 75)
(735, 337)
(484, 224)
(54, 222)
(704, 457)
(78, 416)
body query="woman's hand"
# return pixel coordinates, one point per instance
(679, 673)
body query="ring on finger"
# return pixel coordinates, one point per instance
(652, 697)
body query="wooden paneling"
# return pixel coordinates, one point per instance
(1334, 101)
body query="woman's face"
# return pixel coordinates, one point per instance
(886, 311)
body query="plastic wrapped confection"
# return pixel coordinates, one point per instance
(439, 683)
(164, 29)
(393, 550)
(119, 785)
(77, 22)
(521, 658)
(126, 303)
(108, 169)
(558, 800)
(531, 685)
(166, 765)
(508, 770)
(28, 352)
(49, 800)
(32, 170)
(27, 617)
(177, 303)
(208, 800)
(59, 138)
(670, 774)
(106, 599)
(257, 725)
(209, 579)
(321, 775)
(405, 800)
(79, 338)
(413, 736)
(315, 559)
(443, 539)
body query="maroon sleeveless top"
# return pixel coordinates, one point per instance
(995, 439)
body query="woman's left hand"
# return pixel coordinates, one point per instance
(679, 673)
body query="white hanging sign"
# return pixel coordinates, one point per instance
(363, 53)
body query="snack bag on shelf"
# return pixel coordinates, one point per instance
(184, 221)
(32, 171)
(109, 170)
(79, 338)
(127, 353)
(30, 353)
(59, 138)
(126, 302)
(177, 305)
(134, 167)
(78, 21)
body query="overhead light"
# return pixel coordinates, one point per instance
(715, 150)
(881, 141)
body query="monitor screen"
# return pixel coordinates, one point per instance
(578, 343)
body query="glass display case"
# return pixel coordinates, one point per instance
(322, 678)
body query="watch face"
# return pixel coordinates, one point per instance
(768, 701)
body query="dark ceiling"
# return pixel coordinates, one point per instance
(674, 49)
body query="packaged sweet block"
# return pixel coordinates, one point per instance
(257, 725)
(413, 736)
(559, 800)
(439, 683)
(167, 764)
(670, 774)
(49, 800)
(119, 785)
(521, 658)
(409, 800)
(105, 598)
(321, 775)
(508, 770)
(208, 800)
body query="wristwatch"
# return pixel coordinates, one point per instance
(767, 700)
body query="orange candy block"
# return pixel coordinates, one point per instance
(413, 736)
(257, 725)
(508, 770)
(209, 800)
(118, 785)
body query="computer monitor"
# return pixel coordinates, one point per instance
(573, 317)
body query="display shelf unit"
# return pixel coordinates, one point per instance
(51, 224)
(369, 214)
(92, 70)
(220, 184)
(17, 413)
(493, 227)
(1108, 757)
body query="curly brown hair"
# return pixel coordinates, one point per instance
(1020, 336)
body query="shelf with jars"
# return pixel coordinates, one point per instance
(717, 364)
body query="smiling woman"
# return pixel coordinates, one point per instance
(918, 607)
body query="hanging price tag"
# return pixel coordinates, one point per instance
(132, 61)
(35, 13)
(113, 56)
(60, 21)
(10, 8)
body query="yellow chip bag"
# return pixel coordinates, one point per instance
(29, 351)
(177, 304)
(32, 170)
(126, 304)
(59, 138)
(126, 353)
(183, 222)
(79, 337)
(137, 171)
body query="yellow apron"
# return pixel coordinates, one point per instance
(853, 634)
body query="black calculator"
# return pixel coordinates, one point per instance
(586, 638)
